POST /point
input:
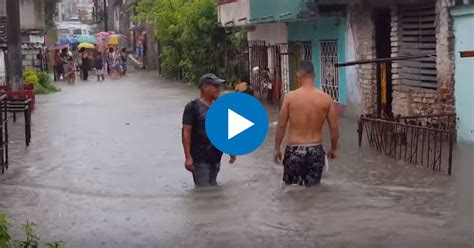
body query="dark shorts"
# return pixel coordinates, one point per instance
(304, 164)
(205, 174)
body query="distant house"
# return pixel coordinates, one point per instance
(120, 13)
(32, 21)
(282, 33)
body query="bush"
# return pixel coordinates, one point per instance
(31, 239)
(45, 82)
(41, 82)
(30, 77)
(193, 44)
(4, 233)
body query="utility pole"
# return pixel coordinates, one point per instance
(14, 45)
(106, 28)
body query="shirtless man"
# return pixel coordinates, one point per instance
(306, 109)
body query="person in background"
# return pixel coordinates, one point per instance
(86, 64)
(268, 85)
(111, 58)
(64, 55)
(70, 74)
(57, 66)
(123, 60)
(244, 86)
(76, 54)
(116, 65)
(140, 50)
(99, 66)
(107, 60)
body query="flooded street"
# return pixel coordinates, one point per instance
(105, 169)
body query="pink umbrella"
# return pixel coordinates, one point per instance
(102, 36)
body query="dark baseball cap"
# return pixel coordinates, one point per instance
(210, 78)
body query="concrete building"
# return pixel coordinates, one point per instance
(464, 74)
(32, 23)
(337, 31)
(120, 13)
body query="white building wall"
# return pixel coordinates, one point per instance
(354, 98)
(234, 14)
(32, 14)
(272, 33)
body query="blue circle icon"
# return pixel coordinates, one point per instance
(236, 124)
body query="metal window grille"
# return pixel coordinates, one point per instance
(306, 52)
(258, 52)
(329, 72)
(284, 67)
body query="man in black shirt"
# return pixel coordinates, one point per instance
(202, 158)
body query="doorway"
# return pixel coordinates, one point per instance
(382, 22)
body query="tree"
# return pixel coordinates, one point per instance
(51, 11)
(193, 44)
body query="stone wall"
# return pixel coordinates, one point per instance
(30, 59)
(407, 100)
(361, 22)
(418, 101)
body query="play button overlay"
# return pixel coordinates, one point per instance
(236, 124)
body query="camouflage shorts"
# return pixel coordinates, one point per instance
(303, 164)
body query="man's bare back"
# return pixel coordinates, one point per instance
(308, 109)
(305, 110)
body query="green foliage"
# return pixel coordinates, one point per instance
(4, 231)
(31, 239)
(41, 81)
(51, 11)
(46, 83)
(30, 77)
(192, 43)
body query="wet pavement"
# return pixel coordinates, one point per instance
(105, 169)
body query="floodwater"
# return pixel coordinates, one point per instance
(105, 169)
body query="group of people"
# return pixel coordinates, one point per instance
(68, 62)
(305, 110)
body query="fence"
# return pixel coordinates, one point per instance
(276, 59)
(420, 140)
(258, 56)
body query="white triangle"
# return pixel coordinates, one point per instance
(236, 124)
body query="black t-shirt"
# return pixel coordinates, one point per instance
(98, 63)
(201, 148)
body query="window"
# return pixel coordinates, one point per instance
(418, 37)
(329, 72)
(306, 52)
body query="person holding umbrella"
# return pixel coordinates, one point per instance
(85, 64)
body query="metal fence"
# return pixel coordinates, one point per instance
(258, 56)
(420, 140)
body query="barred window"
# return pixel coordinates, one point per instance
(418, 37)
